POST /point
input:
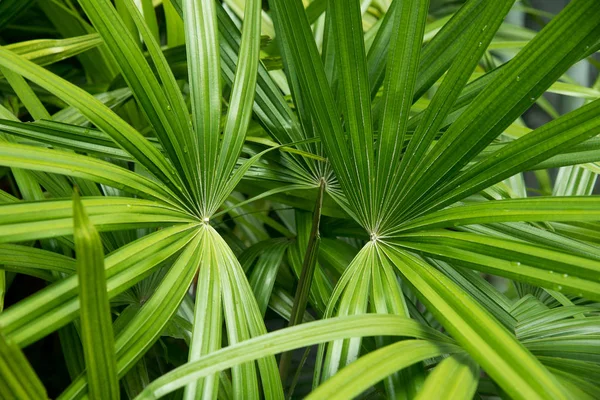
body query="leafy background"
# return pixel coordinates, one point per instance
(221, 186)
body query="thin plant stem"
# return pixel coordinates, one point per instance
(305, 280)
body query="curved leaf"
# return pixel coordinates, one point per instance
(489, 343)
(288, 339)
(373, 367)
(61, 162)
(96, 323)
(52, 218)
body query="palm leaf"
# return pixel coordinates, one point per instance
(96, 326)
(18, 380)
(129, 139)
(519, 373)
(55, 306)
(288, 339)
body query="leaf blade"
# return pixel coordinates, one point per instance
(287, 339)
(373, 367)
(17, 377)
(96, 324)
(455, 377)
(204, 71)
(508, 95)
(490, 344)
(121, 132)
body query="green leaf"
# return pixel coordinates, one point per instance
(15, 256)
(574, 181)
(98, 64)
(123, 134)
(10, 9)
(373, 367)
(2, 288)
(399, 85)
(497, 303)
(66, 136)
(350, 59)
(263, 273)
(535, 209)
(287, 339)
(204, 71)
(534, 69)
(17, 379)
(576, 347)
(164, 106)
(536, 235)
(584, 369)
(456, 377)
(300, 53)
(57, 305)
(237, 176)
(306, 275)
(321, 286)
(112, 99)
(559, 322)
(440, 52)
(70, 344)
(61, 162)
(378, 51)
(269, 104)
(538, 265)
(490, 344)
(243, 88)
(27, 96)
(48, 51)
(243, 323)
(350, 297)
(578, 387)
(96, 323)
(175, 31)
(473, 46)
(519, 155)
(52, 218)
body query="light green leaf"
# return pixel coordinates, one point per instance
(455, 378)
(17, 379)
(57, 305)
(52, 218)
(373, 367)
(49, 51)
(288, 339)
(127, 137)
(538, 265)
(207, 320)
(534, 209)
(204, 71)
(149, 322)
(96, 323)
(489, 343)
(163, 105)
(61, 162)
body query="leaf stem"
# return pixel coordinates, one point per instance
(305, 280)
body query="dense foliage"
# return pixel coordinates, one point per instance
(194, 189)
